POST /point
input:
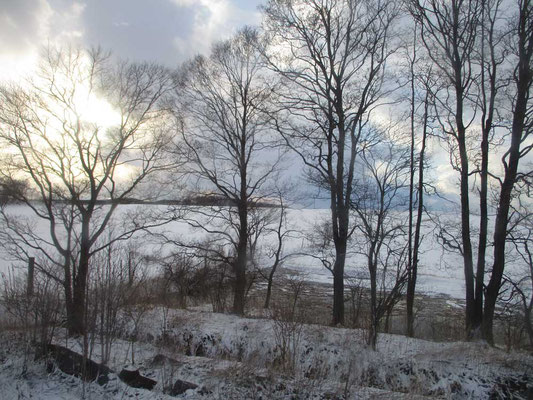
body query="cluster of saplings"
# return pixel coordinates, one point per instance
(347, 95)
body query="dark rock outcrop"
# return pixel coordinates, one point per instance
(136, 380)
(74, 364)
(181, 387)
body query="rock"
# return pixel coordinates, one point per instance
(181, 387)
(72, 363)
(136, 380)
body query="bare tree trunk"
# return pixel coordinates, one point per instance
(412, 276)
(340, 51)
(450, 32)
(31, 271)
(519, 130)
(373, 332)
(77, 319)
(528, 325)
(488, 69)
(500, 235)
(338, 283)
(340, 214)
(240, 264)
(274, 267)
(269, 290)
(76, 322)
(465, 203)
(278, 259)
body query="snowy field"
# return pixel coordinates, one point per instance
(226, 357)
(440, 273)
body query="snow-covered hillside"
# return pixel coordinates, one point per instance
(236, 358)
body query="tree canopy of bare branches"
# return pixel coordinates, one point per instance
(331, 56)
(75, 161)
(227, 144)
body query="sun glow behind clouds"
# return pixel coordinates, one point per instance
(14, 68)
(96, 110)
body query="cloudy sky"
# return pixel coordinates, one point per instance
(166, 31)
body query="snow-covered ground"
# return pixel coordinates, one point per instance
(237, 358)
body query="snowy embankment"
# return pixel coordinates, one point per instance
(239, 358)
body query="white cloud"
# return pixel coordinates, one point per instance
(23, 24)
(28, 25)
(69, 24)
(213, 20)
(121, 24)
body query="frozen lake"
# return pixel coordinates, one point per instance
(440, 273)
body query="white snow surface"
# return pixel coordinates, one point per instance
(440, 273)
(235, 358)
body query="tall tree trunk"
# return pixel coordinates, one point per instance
(269, 290)
(524, 79)
(477, 315)
(338, 283)
(528, 325)
(77, 320)
(500, 229)
(67, 286)
(486, 120)
(277, 255)
(413, 273)
(464, 193)
(500, 236)
(373, 330)
(239, 292)
(341, 244)
(466, 241)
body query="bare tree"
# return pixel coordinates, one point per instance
(79, 165)
(377, 203)
(277, 226)
(420, 99)
(227, 144)
(331, 56)
(521, 237)
(464, 41)
(519, 147)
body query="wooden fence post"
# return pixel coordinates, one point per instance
(31, 269)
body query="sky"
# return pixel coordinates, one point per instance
(163, 31)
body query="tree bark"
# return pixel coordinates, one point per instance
(79, 292)
(486, 120)
(524, 78)
(413, 273)
(240, 264)
(340, 215)
(373, 332)
(338, 283)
